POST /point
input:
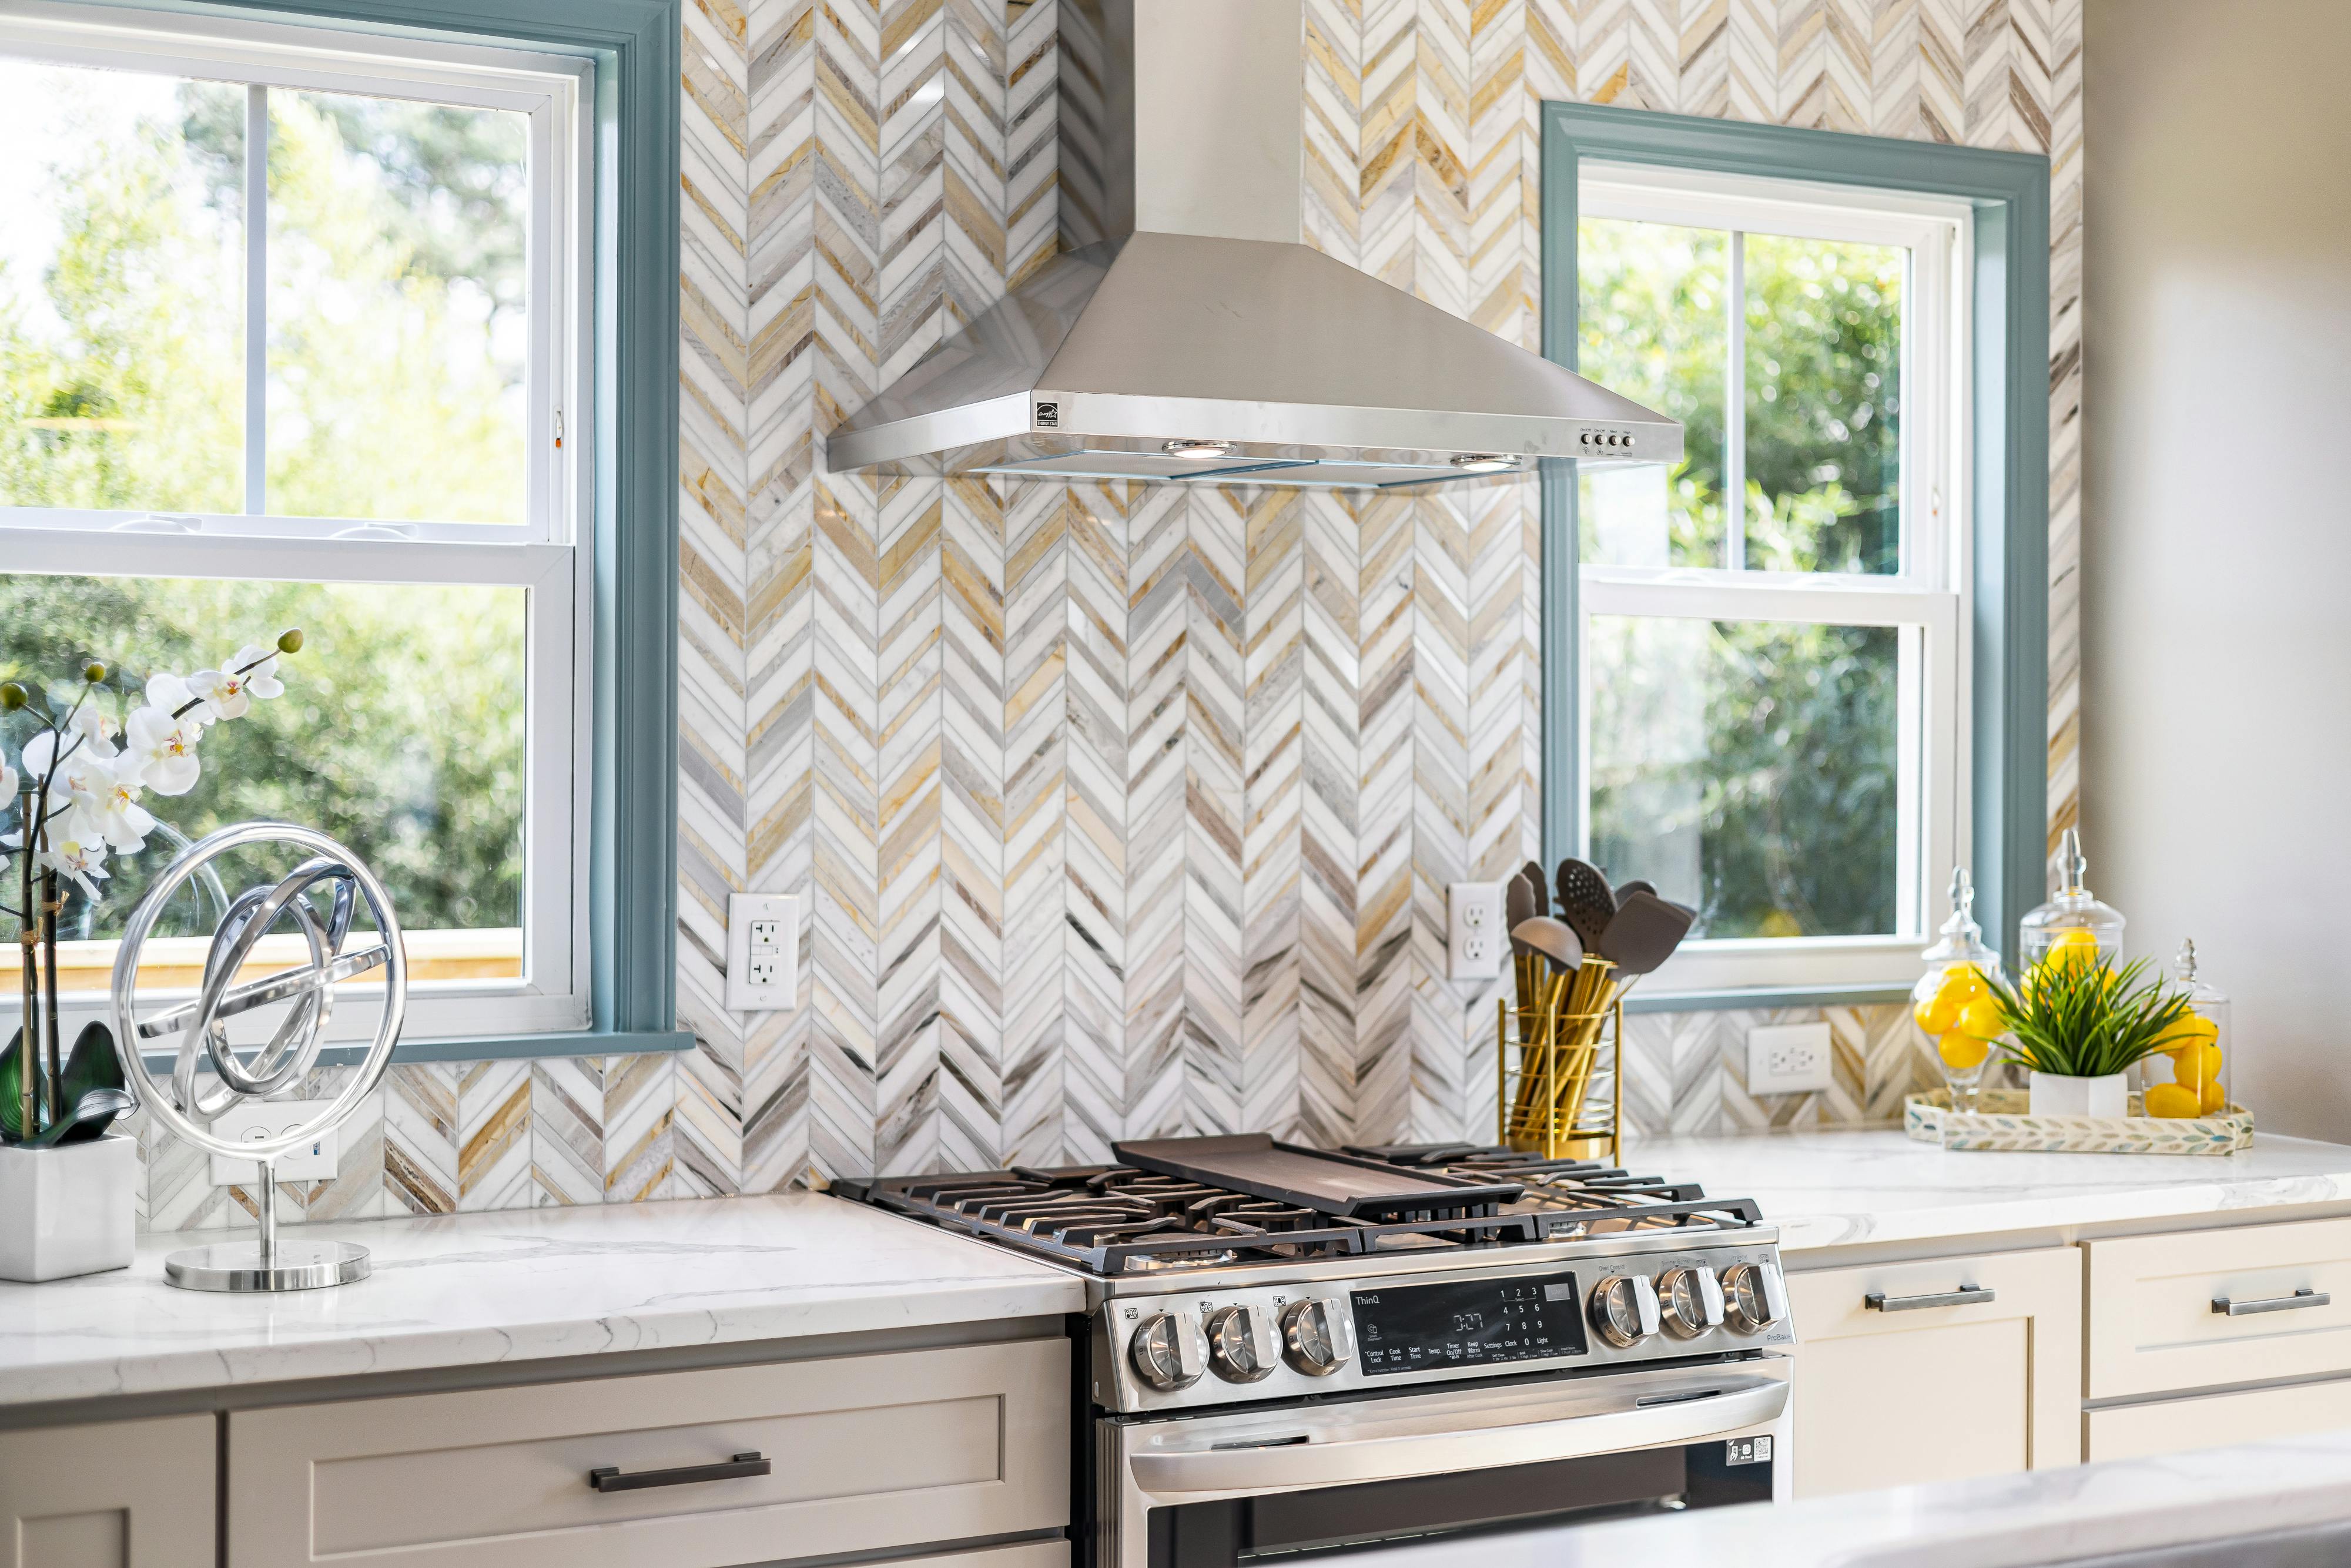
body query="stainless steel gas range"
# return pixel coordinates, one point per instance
(1287, 1349)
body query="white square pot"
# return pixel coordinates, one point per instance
(67, 1211)
(2056, 1094)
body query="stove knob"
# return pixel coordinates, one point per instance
(1754, 1297)
(1317, 1337)
(1689, 1301)
(1625, 1309)
(1167, 1349)
(1241, 1347)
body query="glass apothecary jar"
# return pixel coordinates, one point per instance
(1952, 1003)
(2073, 926)
(2193, 1080)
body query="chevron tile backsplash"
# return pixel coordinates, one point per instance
(1123, 810)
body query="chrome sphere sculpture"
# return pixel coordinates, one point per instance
(187, 1107)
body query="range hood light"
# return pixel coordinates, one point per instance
(1184, 448)
(1485, 462)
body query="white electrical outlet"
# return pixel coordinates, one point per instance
(763, 937)
(1788, 1058)
(1474, 938)
(250, 1121)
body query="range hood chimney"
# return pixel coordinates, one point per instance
(1185, 332)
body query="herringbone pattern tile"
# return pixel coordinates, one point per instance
(1119, 810)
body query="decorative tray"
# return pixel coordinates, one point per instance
(2001, 1120)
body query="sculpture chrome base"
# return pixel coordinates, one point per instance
(288, 1265)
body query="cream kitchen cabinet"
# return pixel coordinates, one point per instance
(1937, 1370)
(113, 1494)
(871, 1454)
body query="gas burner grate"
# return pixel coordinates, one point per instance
(1115, 1219)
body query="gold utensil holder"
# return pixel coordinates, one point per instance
(1559, 1066)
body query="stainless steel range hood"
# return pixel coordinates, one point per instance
(1185, 333)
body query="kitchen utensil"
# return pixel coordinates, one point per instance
(1253, 1163)
(1518, 906)
(1643, 933)
(98, 1105)
(1625, 890)
(1554, 939)
(1585, 901)
(1533, 872)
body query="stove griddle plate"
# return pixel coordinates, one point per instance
(1343, 1185)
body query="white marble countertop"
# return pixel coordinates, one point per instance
(1842, 1190)
(2000, 1521)
(520, 1285)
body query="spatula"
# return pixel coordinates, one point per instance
(1518, 906)
(1533, 872)
(1585, 901)
(1625, 890)
(1554, 939)
(1643, 933)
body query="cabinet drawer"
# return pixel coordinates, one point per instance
(2214, 1420)
(120, 1494)
(2153, 1328)
(1928, 1393)
(868, 1453)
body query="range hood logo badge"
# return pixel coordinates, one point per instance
(1049, 416)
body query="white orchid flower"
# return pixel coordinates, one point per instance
(228, 691)
(8, 782)
(166, 749)
(80, 861)
(75, 770)
(97, 728)
(114, 814)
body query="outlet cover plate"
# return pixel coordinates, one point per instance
(250, 1120)
(1788, 1058)
(763, 950)
(1474, 938)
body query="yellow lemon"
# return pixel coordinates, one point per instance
(2170, 1100)
(2216, 1099)
(1962, 984)
(1937, 1015)
(2193, 1029)
(1962, 1052)
(2073, 948)
(1981, 1019)
(2195, 1064)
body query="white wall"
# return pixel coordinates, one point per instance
(2217, 548)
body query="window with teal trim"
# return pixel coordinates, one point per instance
(292, 334)
(1767, 667)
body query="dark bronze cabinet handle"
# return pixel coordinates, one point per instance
(606, 1478)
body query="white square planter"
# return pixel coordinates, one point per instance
(67, 1211)
(2056, 1094)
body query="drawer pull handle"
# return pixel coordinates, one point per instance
(1965, 1296)
(606, 1478)
(2301, 1298)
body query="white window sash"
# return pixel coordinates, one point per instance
(1930, 599)
(550, 555)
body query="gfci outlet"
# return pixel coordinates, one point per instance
(1787, 1058)
(763, 952)
(250, 1121)
(1474, 938)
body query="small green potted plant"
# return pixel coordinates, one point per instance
(2078, 1025)
(84, 756)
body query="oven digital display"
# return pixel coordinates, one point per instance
(1469, 1322)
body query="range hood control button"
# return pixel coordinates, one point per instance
(1317, 1338)
(1169, 1351)
(1242, 1346)
(1754, 1297)
(1625, 1309)
(1689, 1301)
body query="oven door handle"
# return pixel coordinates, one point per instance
(1292, 1467)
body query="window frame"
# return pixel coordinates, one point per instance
(614, 492)
(1925, 600)
(2000, 510)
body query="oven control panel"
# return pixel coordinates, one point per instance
(1227, 1345)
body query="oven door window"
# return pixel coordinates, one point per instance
(1233, 1530)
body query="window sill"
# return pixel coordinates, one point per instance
(1766, 997)
(499, 1048)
